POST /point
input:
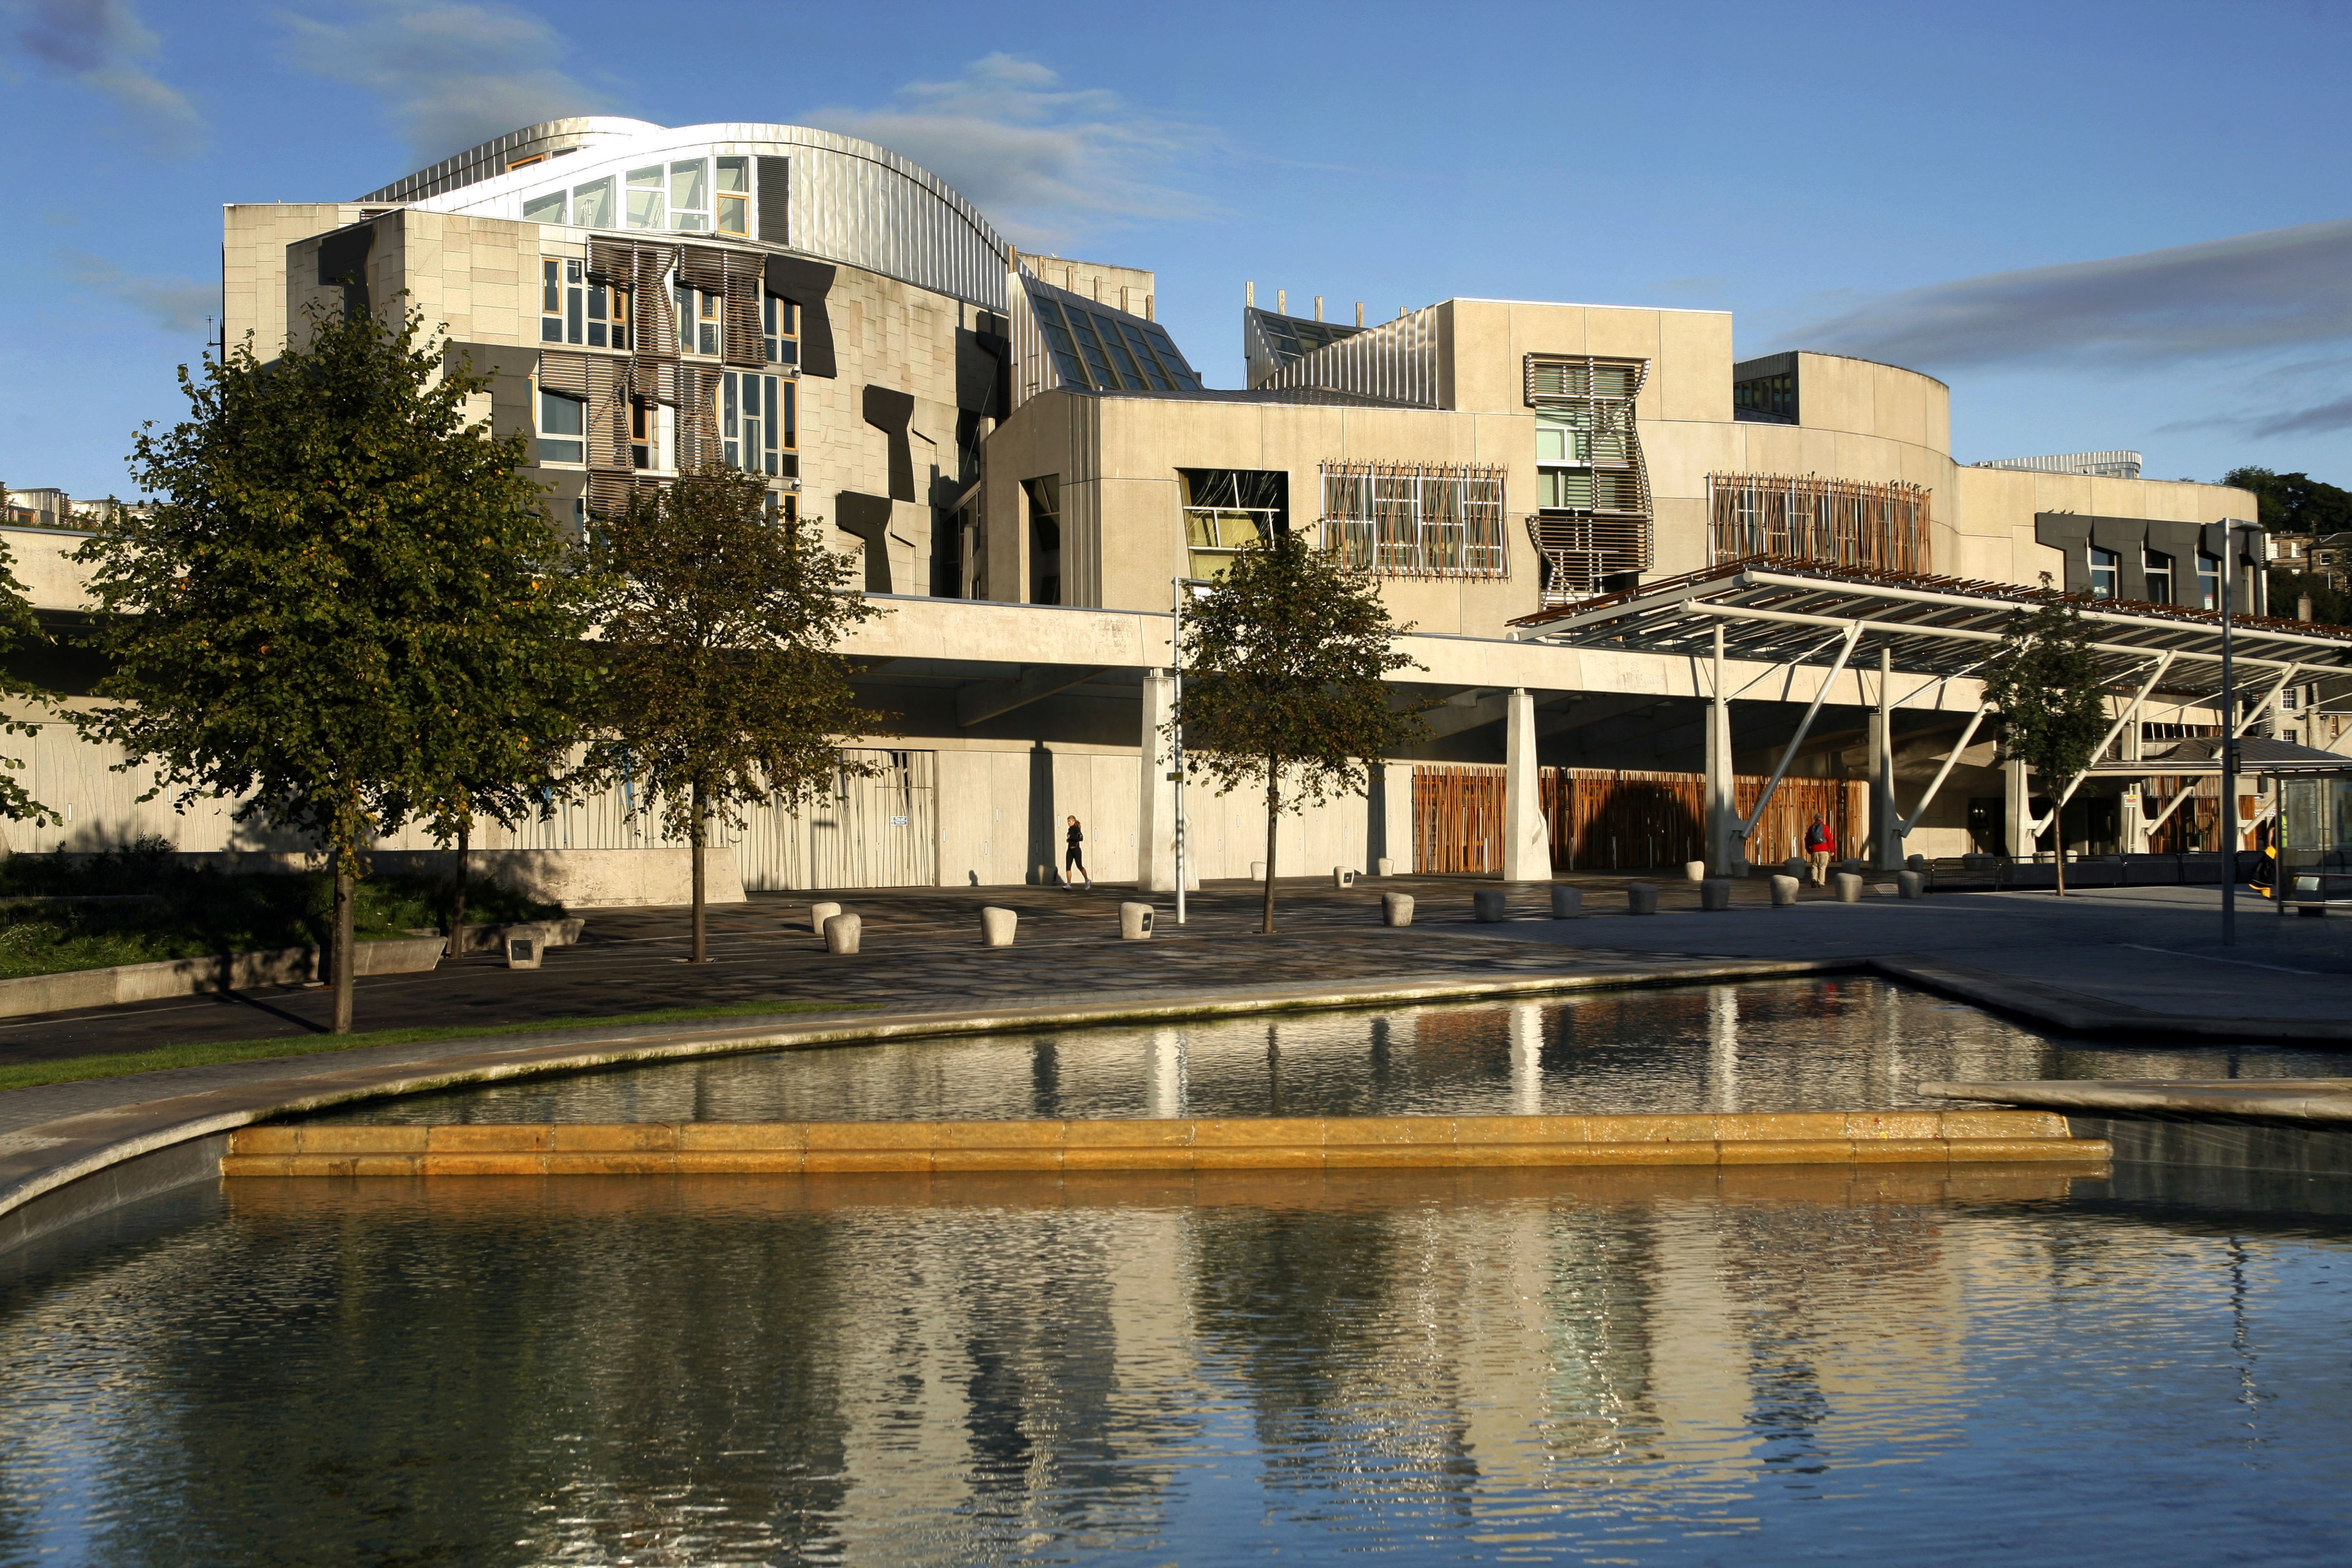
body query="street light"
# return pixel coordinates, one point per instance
(2230, 832)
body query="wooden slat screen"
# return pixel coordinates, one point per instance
(1847, 522)
(1612, 819)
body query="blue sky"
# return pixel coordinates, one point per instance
(2104, 225)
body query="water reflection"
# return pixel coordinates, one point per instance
(1647, 1366)
(1797, 1045)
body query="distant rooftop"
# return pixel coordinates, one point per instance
(2097, 464)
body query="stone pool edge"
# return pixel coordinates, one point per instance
(57, 1173)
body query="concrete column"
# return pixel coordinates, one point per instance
(1526, 846)
(1155, 834)
(1526, 1059)
(1399, 803)
(1722, 803)
(2132, 812)
(2017, 808)
(1886, 840)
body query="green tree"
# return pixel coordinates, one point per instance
(719, 625)
(2045, 680)
(2293, 503)
(20, 630)
(1285, 688)
(344, 589)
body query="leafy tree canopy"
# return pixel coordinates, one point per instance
(19, 629)
(1286, 663)
(2045, 680)
(2293, 503)
(346, 605)
(719, 626)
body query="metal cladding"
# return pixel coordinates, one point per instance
(850, 201)
(1397, 360)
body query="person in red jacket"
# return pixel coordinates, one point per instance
(1821, 847)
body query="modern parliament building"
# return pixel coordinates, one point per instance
(1664, 604)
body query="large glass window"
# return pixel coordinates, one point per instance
(591, 204)
(646, 199)
(2209, 580)
(2159, 578)
(689, 195)
(562, 428)
(779, 321)
(735, 196)
(1227, 511)
(562, 302)
(700, 315)
(543, 209)
(2103, 573)
(757, 424)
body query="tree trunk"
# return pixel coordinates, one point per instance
(701, 951)
(458, 913)
(1273, 817)
(340, 945)
(2061, 864)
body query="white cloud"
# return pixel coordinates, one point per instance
(452, 75)
(2249, 294)
(1041, 159)
(104, 45)
(173, 303)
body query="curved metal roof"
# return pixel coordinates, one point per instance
(852, 201)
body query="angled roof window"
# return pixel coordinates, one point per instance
(1107, 349)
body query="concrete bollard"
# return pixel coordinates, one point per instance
(1384, 867)
(1715, 894)
(1796, 866)
(524, 952)
(1487, 904)
(996, 927)
(1742, 868)
(1396, 909)
(1916, 862)
(1911, 884)
(1693, 871)
(821, 913)
(1134, 922)
(841, 933)
(1849, 888)
(1342, 877)
(1257, 870)
(1642, 897)
(1784, 892)
(1565, 902)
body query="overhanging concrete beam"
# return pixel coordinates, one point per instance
(983, 700)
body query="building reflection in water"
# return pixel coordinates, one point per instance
(994, 1368)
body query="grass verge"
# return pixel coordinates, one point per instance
(82, 1069)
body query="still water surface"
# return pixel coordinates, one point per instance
(1560, 1367)
(1789, 1045)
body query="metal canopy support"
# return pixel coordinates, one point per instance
(1722, 804)
(1527, 844)
(1903, 825)
(2245, 723)
(1804, 727)
(2164, 662)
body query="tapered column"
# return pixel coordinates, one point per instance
(2017, 808)
(1526, 844)
(1722, 805)
(1885, 826)
(1155, 834)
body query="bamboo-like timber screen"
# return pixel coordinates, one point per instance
(1847, 522)
(1416, 520)
(1610, 820)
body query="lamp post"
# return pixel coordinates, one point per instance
(2230, 832)
(1182, 586)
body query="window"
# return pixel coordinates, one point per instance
(1563, 459)
(757, 419)
(641, 435)
(1045, 538)
(608, 320)
(646, 198)
(563, 301)
(735, 196)
(1769, 399)
(1228, 509)
(779, 321)
(2159, 578)
(591, 204)
(700, 315)
(1409, 519)
(2209, 580)
(562, 428)
(526, 163)
(2103, 573)
(546, 209)
(689, 195)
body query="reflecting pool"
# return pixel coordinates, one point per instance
(1786, 1045)
(1657, 1368)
